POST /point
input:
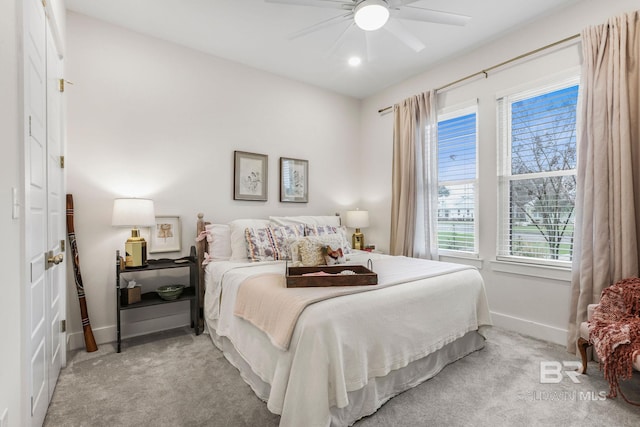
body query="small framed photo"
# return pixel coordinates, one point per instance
(165, 235)
(294, 180)
(250, 176)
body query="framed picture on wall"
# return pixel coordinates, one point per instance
(165, 235)
(250, 176)
(294, 180)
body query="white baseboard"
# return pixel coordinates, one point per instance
(75, 340)
(530, 328)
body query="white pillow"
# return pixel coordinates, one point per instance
(238, 239)
(220, 243)
(333, 220)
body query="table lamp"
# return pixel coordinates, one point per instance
(357, 219)
(134, 213)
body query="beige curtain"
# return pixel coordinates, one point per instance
(608, 193)
(414, 180)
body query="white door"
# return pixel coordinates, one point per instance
(35, 206)
(44, 282)
(56, 209)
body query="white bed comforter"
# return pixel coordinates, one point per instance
(340, 343)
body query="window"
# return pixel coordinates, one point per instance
(537, 175)
(457, 140)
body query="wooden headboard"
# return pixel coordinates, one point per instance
(202, 246)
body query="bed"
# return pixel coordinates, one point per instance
(345, 355)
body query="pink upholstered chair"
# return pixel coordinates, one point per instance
(584, 344)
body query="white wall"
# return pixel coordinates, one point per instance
(10, 134)
(148, 118)
(531, 303)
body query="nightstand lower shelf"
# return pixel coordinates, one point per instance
(152, 298)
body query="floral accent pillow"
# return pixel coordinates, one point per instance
(260, 245)
(238, 229)
(282, 236)
(271, 243)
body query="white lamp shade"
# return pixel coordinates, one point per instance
(133, 213)
(371, 15)
(357, 219)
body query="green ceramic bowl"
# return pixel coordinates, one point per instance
(170, 292)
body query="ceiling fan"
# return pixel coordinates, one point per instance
(371, 15)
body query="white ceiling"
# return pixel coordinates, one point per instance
(254, 33)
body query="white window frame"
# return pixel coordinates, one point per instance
(447, 113)
(504, 102)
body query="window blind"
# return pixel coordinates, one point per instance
(537, 179)
(457, 141)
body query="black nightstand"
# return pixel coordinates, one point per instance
(190, 293)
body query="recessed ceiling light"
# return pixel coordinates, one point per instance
(354, 61)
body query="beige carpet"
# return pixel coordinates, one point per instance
(177, 379)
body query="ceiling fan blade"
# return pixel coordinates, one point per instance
(369, 44)
(338, 41)
(398, 3)
(396, 28)
(320, 25)
(429, 15)
(333, 4)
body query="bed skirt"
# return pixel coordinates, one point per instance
(378, 391)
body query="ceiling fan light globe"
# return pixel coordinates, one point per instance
(371, 15)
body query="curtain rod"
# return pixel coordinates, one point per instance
(485, 72)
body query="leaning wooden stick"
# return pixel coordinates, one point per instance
(89, 341)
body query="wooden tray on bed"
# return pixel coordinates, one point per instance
(363, 276)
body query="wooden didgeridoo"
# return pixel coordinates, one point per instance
(89, 340)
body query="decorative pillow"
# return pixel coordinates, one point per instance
(271, 243)
(282, 237)
(310, 253)
(219, 241)
(260, 244)
(309, 248)
(322, 230)
(332, 257)
(332, 220)
(238, 239)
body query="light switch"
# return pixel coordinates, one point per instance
(15, 210)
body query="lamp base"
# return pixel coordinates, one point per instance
(135, 249)
(357, 241)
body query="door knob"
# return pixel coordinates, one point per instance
(55, 259)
